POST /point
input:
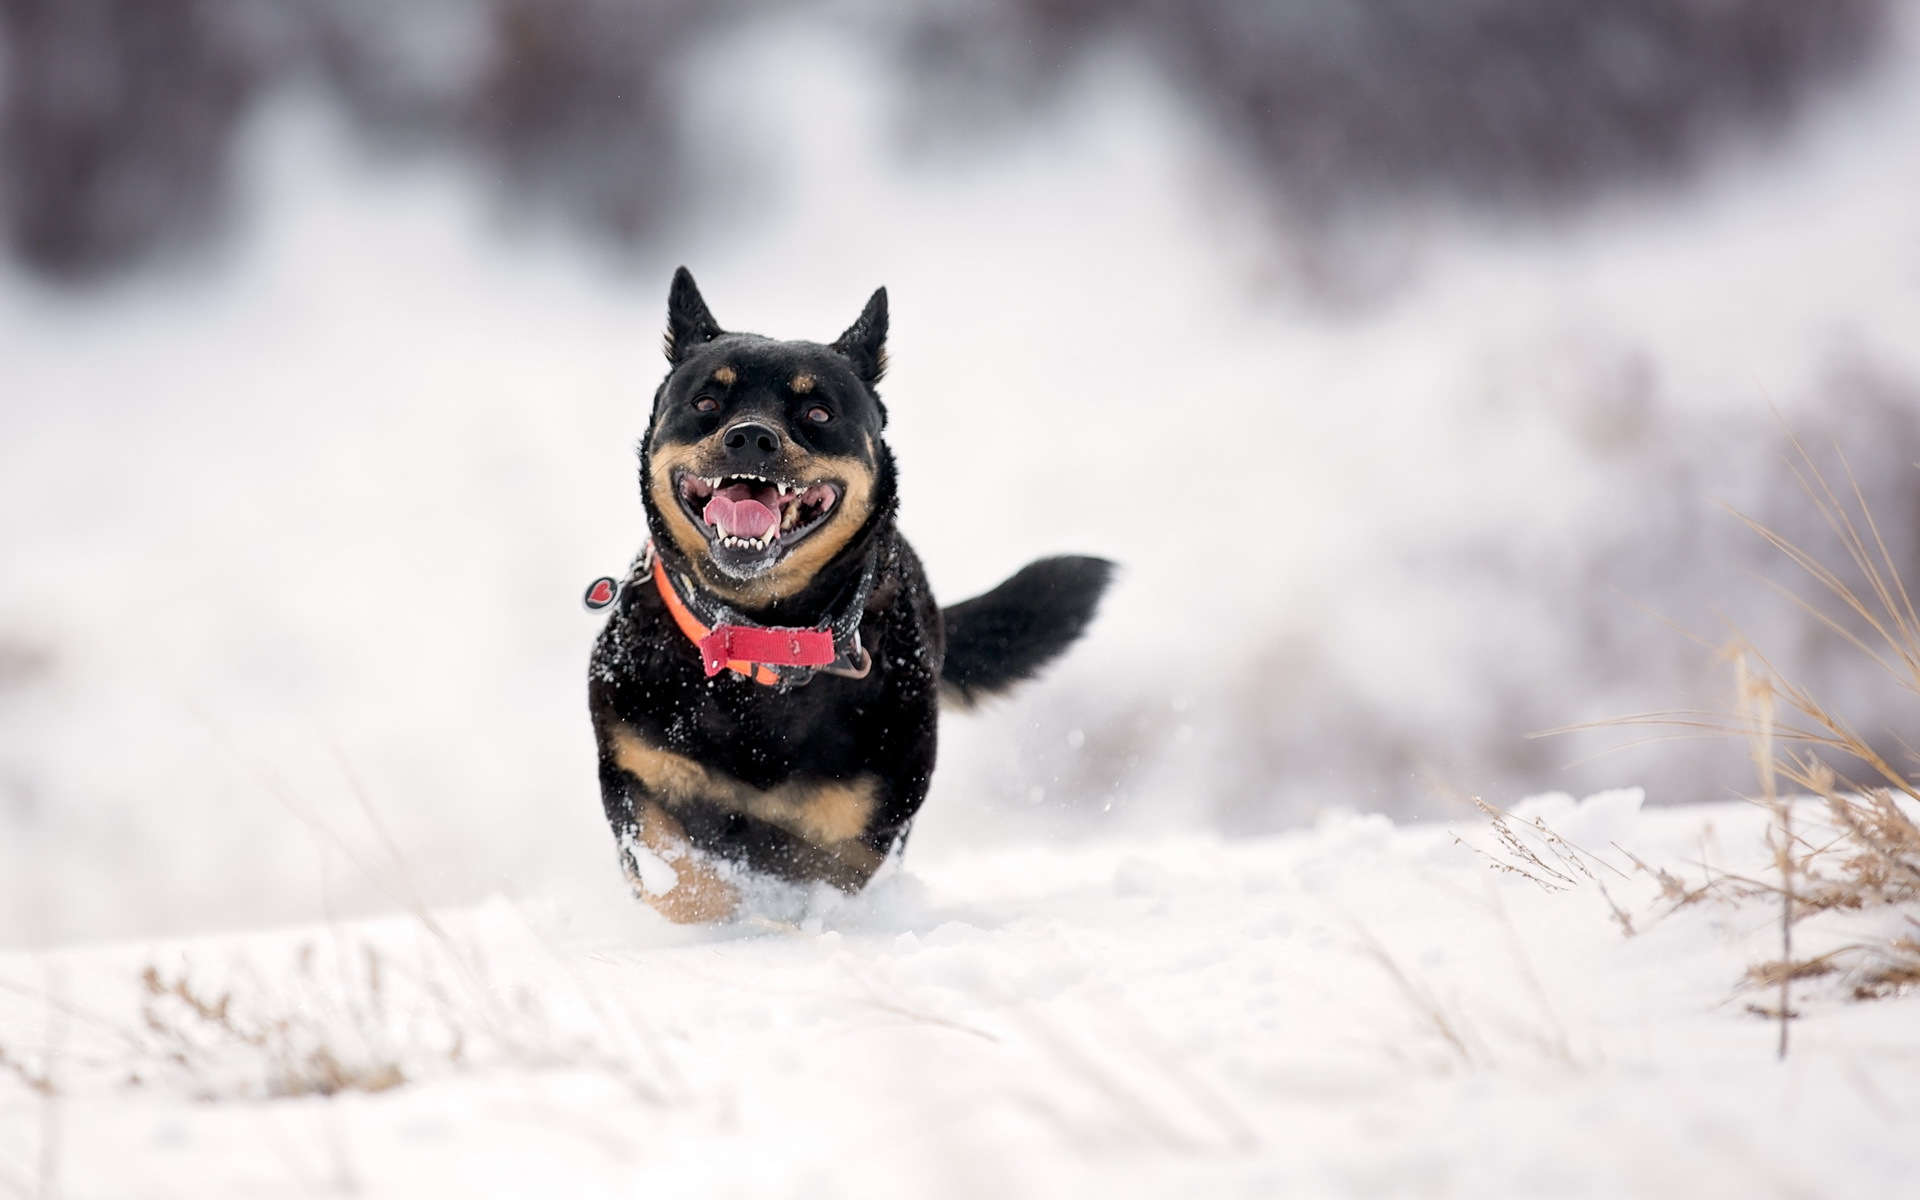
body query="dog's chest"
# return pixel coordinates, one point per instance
(762, 736)
(830, 727)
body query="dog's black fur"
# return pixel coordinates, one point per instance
(819, 776)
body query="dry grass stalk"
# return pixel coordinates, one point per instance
(231, 1042)
(1450, 1028)
(1869, 849)
(1893, 970)
(1756, 706)
(1867, 971)
(1677, 892)
(40, 1081)
(1774, 974)
(1567, 870)
(1875, 851)
(346, 1018)
(335, 1016)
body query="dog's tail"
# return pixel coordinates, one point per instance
(1007, 635)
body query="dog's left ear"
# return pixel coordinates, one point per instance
(865, 341)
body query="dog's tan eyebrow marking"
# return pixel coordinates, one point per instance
(726, 376)
(802, 383)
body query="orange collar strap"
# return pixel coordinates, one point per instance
(755, 646)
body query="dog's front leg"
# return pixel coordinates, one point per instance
(666, 872)
(661, 863)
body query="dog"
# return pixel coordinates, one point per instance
(766, 692)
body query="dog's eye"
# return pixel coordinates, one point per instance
(705, 404)
(818, 415)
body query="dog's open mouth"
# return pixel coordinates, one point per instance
(749, 520)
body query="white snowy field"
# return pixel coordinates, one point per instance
(296, 535)
(1358, 1009)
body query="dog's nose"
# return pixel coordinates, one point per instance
(751, 442)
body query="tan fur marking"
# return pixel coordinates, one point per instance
(857, 861)
(673, 777)
(666, 460)
(796, 570)
(823, 813)
(701, 894)
(829, 814)
(726, 376)
(802, 383)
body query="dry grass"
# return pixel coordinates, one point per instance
(1853, 841)
(1533, 851)
(342, 1014)
(1463, 1047)
(355, 1010)
(1889, 970)
(371, 1013)
(38, 1079)
(243, 1038)
(1870, 803)
(1866, 971)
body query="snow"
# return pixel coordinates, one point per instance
(1358, 1009)
(292, 709)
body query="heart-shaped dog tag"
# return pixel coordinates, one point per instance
(601, 593)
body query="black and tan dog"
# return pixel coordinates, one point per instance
(766, 693)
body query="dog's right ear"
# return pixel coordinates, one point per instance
(689, 324)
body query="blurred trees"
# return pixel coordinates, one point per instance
(120, 116)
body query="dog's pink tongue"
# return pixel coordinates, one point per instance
(737, 515)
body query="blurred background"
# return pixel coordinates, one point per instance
(1404, 351)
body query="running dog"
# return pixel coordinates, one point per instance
(766, 692)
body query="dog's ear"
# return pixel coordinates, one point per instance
(865, 341)
(689, 324)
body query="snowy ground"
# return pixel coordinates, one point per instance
(1355, 1010)
(303, 534)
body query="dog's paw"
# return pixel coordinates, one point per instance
(698, 895)
(672, 878)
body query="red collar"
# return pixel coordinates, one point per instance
(745, 649)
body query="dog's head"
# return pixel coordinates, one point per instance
(764, 462)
